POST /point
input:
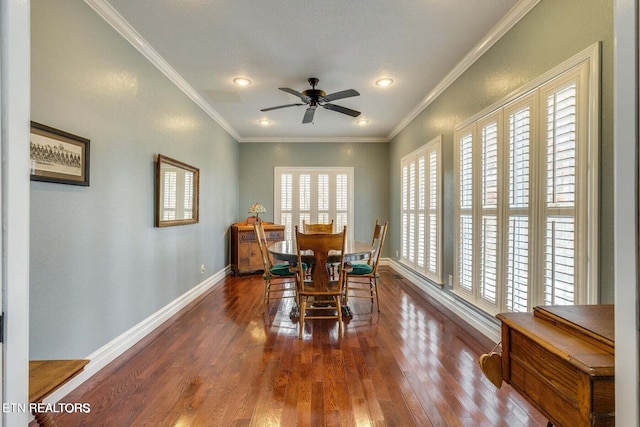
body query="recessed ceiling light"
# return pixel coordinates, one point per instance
(264, 122)
(241, 81)
(384, 82)
(362, 122)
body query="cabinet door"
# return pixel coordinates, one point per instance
(248, 252)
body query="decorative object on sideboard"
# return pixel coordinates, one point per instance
(57, 156)
(256, 209)
(177, 192)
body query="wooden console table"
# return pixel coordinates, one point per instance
(561, 359)
(45, 376)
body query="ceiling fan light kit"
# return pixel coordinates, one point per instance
(315, 98)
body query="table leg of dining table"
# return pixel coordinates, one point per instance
(295, 312)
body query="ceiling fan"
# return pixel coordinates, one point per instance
(315, 98)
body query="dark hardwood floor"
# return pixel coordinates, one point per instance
(223, 361)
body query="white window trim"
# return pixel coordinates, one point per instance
(435, 145)
(587, 222)
(332, 171)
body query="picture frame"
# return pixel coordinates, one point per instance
(57, 156)
(177, 192)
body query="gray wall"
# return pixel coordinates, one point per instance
(552, 32)
(98, 265)
(371, 176)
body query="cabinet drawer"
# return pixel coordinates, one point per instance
(275, 235)
(548, 380)
(246, 236)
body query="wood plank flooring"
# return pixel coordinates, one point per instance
(225, 361)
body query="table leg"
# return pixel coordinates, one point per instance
(346, 311)
(295, 312)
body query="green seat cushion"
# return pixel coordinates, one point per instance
(283, 270)
(361, 269)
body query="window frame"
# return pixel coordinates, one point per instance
(584, 69)
(332, 210)
(406, 237)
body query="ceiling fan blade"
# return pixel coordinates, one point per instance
(343, 110)
(280, 106)
(308, 115)
(339, 95)
(303, 97)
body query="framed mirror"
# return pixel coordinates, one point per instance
(177, 191)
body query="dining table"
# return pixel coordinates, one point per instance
(286, 250)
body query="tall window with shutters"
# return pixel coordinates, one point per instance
(523, 218)
(313, 195)
(422, 210)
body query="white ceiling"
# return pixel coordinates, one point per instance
(202, 45)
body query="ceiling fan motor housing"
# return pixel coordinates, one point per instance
(315, 98)
(314, 94)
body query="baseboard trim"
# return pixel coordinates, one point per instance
(486, 326)
(110, 351)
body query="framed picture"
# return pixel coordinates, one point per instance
(58, 156)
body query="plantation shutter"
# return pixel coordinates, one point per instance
(286, 203)
(433, 237)
(421, 223)
(560, 201)
(323, 198)
(518, 118)
(489, 211)
(525, 220)
(465, 219)
(304, 198)
(314, 195)
(342, 201)
(421, 210)
(405, 210)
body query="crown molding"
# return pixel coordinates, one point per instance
(515, 14)
(115, 20)
(323, 139)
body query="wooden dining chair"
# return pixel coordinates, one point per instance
(362, 280)
(317, 228)
(321, 286)
(279, 279)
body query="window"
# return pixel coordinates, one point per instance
(526, 197)
(313, 195)
(421, 210)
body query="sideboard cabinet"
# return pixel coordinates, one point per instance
(245, 253)
(561, 359)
